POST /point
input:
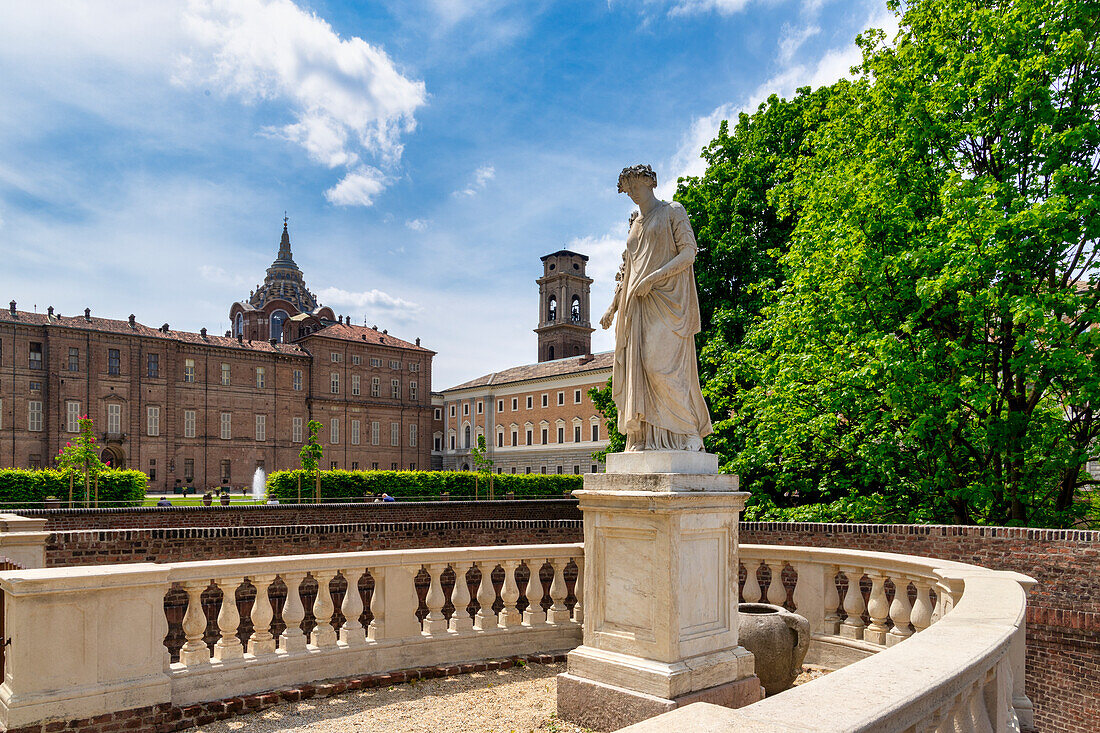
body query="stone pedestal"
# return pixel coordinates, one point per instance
(660, 575)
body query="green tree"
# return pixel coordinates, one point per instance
(602, 401)
(310, 457)
(934, 341)
(82, 458)
(482, 464)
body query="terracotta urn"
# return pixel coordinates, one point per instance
(778, 639)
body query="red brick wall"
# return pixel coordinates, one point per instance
(1063, 617)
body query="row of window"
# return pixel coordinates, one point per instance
(35, 423)
(529, 434)
(375, 387)
(576, 469)
(336, 357)
(530, 401)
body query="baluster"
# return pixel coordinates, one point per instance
(352, 632)
(852, 627)
(261, 641)
(559, 613)
(578, 593)
(485, 619)
(228, 646)
(435, 622)
(534, 615)
(978, 714)
(194, 650)
(832, 601)
(878, 609)
(509, 594)
(900, 611)
(751, 592)
(922, 609)
(377, 628)
(460, 597)
(777, 594)
(292, 639)
(323, 634)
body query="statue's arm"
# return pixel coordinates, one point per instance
(612, 309)
(686, 248)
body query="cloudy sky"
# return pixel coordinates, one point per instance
(427, 152)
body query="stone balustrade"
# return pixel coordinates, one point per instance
(918, 643)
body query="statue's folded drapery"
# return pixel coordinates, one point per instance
(655, 376)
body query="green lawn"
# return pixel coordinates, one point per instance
(196, 501)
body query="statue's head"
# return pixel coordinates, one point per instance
(637, 172)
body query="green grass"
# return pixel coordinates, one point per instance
(197, 501)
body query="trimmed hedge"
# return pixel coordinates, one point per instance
(336, 484)
(29, 489)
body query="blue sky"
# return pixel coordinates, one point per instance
(426, 151)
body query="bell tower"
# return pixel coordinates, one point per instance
(564, 292)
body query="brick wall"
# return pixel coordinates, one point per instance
(1063, 614)
(291, 514)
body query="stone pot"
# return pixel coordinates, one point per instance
(778, 639)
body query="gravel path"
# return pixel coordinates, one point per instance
(516, 700)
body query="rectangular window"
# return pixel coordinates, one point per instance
(515, 438)
(189, 468)
(595, 431)
(227, 469)
(515, 404)
(114, 419)
(395, 365)
(189, 423)
(35, 386)
(561, 435)
(452, 442)
(480, 407)
(529, 401)
(529, 442)
(393, 466)
(296, 430)
(576, 397)
(576, 433)
(413, 435)
(414, 367)
(114, 363)
(542, 469)
(437, 443)
(500, 440)
(227, 425)
(545, 437)
(355, 384)
(374, 362)
(152, 469)
(189, 370)
(261, 427)
(334, 431)
(355, 361)
(261, 377)
(500, 405)
(334, 383)
(355, 464)
(152, 420)
(152, 365)
(559, 469)
(374, 466)
(355, 432)
(438, 414)
(545, 400)
(412, 391)
(595, 468)
(576, 469)
(465, 408)
(74, 359)
(296, 381)
(527, 469)
(561, 398)
(395, 433)
(375, 432)
(227, 375)
(35, 355)
(335, 356)
(395, 388)
(72, 416)
(375, 386)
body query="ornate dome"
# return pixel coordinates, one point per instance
(284, 281)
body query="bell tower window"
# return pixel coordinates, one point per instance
(552, 310)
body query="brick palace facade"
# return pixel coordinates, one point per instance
(198, 409)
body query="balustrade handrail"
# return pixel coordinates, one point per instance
(913, 565)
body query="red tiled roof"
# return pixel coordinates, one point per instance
(349, 332)
(110, 325)
(556, 368)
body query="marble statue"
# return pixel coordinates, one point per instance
(655, 376)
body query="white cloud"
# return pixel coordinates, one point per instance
(370, 299)
(418, 225)
(481, 177)
(723, 7)
(792, 39)
(357, 188)
(346, 96)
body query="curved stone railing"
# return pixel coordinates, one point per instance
(960, 668)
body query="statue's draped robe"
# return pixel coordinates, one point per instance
(655, 376)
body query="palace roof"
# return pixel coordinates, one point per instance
(542, 370)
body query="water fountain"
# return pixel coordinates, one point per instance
(259, 485)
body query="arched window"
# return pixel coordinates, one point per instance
(239, 325)
(466, 437)
(278, 318)
(552, 309)
(550, 353)
(575, 310)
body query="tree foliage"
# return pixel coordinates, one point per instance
(919, 249)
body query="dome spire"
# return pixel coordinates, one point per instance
(284, 243)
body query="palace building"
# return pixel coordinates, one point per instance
(536, 418)
(198, 409)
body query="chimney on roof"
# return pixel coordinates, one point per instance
(273, 341)
(202, 331)
(375, 327)
(49, 310)
(240, 338)
(385, 330)
(164, 327)
(339, 319)
(133, 323)
(418, 341)
(227, 334)
(11, 305)
(364, 337)
(87, 314)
